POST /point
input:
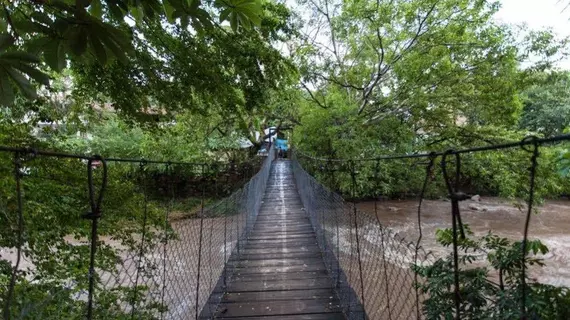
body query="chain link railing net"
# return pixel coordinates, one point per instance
(370, 265)
(162, 243)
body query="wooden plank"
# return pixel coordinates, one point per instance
(279, 262)
(282, 230)
(287, 295)
(278, 213)
(298, 217)
(281, 255)
(317, 316)
(302, 228)
(286, 284)
(287, 230)
(287, 236)
(284, 217)
(278, 194)
(285, 246)
(289, 222)
(297, 268)
(276, 250)
(292, 205)
(248, 248)
(284, 242)
(280, 276)
(277, 223)
(286, 307)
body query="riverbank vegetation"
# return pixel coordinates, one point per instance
(193, 81)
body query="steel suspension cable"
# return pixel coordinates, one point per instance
(95, 204)
(382, 247)
(455, 196)
(501, 146)
(429, 168)
(530, 202)
(19, 234)
(358, 254)
(170, 193)
(141, 254)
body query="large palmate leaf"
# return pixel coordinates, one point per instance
(17, 68)
(94, 31)
(245, 13)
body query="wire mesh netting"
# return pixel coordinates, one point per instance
(84, 237)
(162, 237)
(475, 274)
(370, 265)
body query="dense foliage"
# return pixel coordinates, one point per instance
(94, 30)
(403, 77)
(190, 80)
(420, 76)
(161, 80)
(490, 278)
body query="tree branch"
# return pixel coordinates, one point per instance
(383, 71)
(322, 105)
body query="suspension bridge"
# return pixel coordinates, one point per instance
(281, 246)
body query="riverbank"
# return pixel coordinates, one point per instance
(501, 216)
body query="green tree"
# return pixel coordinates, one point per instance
(428, 62)
(36, 34)
(547, 104)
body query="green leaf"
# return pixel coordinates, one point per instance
(54, 55)
(78, 41)
(117, 51)
(34, 73)
(19, 56)
(245, 13)
(6, 40)
(137, 13)
(168, 11)
(234, 21)
(194, 4)
(25, 25)
(225, 13)
(42, 17)
(3, 25)
(82, 3)
(96, 9)
(98, 49)
(6, 90)
(37, 45)
(22, 83)
(117, 10)
(114, 40)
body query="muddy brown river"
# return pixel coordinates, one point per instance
(551, 225)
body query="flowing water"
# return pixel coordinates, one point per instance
(551, 225)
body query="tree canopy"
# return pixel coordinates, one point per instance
(191, 80)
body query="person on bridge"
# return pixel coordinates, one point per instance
(282, 147)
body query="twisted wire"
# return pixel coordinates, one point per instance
(530, 202)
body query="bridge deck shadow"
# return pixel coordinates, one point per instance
(280, 273)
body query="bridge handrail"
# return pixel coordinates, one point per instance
(451, 172)
(161, 267)
(368, 262)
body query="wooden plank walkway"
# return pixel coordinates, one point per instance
(281, 273)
